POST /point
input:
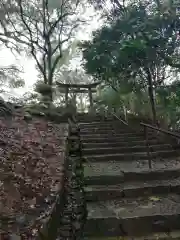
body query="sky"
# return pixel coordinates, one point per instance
(28, 65)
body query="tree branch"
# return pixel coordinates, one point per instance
(31, 38)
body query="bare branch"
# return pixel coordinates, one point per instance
(17, 34)
(31, 38)
(42, 30)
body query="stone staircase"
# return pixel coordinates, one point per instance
(124, 197)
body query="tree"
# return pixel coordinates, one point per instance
(45, 28)
(130, 48)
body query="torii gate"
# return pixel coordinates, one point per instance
(78, 88)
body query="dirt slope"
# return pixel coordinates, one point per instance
(31, 157)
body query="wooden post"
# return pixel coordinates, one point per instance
(66, 95)
(90, 98)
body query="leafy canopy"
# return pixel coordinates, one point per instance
(130, 44)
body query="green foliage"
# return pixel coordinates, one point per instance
(132, 51)
(129, 44)
(136, 103)
(43, 89)
(125, 98)
(168, 102)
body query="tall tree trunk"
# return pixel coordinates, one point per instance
(151, 95)
(49, 65)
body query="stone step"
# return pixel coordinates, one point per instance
(172, 235)
(109, 125)
(112, 134)
(107, 131)
(101, 139)
(105, 127)
(132, 149)
(113, 173)
(120, 144)
(100, 119)
(131, 156)
(101, 124)
(132, 189)
(133, 217)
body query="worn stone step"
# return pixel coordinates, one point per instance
(108, 173)
(134, 217)
(121, 144)
(108, 126)
(84, 139)
(107, 130)
(132, 149)
(131, 156)
(89, 119)
(132, 189)
(101, 139)
(102, 124)
(112, 134)
(172, 235)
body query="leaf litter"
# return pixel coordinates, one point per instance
(31, 160)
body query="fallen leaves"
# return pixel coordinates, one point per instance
(31, 158)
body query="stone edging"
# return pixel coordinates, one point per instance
(69, 213)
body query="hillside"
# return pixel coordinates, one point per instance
(31, 158)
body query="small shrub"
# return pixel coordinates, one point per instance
(43, 89)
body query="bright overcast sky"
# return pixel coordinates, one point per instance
(28, 65)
